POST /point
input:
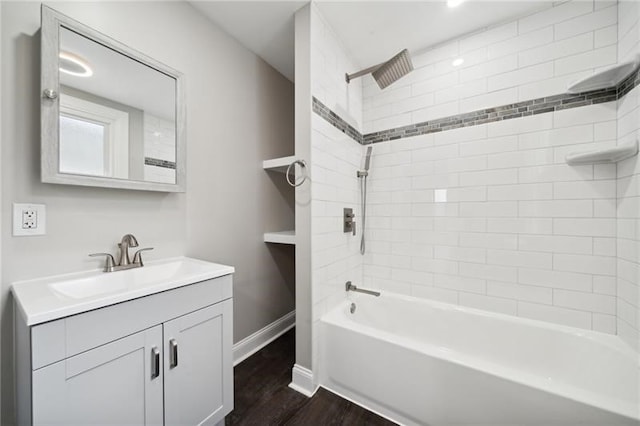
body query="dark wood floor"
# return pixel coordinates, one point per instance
(262, 395)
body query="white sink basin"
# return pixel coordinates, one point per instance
(88, 287)
(55, 297)
(130, 279)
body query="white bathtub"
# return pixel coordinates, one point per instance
(421, 362)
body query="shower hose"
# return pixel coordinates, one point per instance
(363, 192)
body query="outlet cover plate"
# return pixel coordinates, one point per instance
(29, 219)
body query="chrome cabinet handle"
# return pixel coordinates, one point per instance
(155, 362)
(173, 353)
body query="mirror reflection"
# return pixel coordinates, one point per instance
(117, 115)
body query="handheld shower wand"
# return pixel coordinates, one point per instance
(367, 161)
(362, 175)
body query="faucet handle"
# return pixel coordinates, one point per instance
(110, 264)
(137, 258)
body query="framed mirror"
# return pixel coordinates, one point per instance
(110, 116)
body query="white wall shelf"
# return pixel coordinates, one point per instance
(278, 164)
(604, 79)
(611, 155)
(282, 237)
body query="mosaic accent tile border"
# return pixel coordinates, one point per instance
(336, 121)
(628, 84)
(500, 113)
(148, 161)
(487, 115)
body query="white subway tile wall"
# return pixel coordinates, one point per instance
(159, 144)
(335, 158)
(329, 63)
(513, 228)
(504, 223)
(628, 192)
(488, 216)
(533, 57)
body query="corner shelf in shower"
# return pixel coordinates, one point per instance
(605, 79)
(604, 156)
(282, 237)
(278, 164)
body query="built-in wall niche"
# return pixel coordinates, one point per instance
(111, 116)
(285, 167)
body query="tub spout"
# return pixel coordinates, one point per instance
(350, 287)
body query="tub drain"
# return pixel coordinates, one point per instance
(352, 309)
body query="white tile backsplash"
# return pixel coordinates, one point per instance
(521, 42)
(565, 48)
(159, 144)
(519, 230)
(627, 281)
(491, 216)
(561, 13)
(571, 317)
(537, 55)
(333, 162)
(586, 23)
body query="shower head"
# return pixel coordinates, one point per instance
(387, 72)
(392, 70)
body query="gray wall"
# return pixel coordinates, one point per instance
(304, 336)
(239, 111)
(231, 201)
(3, 330)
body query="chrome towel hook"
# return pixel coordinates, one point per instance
(303, 168)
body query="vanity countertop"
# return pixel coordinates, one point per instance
(51, 298)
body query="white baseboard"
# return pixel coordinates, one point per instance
(302, 381)
(261, 338)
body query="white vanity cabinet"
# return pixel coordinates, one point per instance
(165, 358)
(192, 379)
(114, 382)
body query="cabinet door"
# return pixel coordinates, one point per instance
(198, 375)
(114, 384)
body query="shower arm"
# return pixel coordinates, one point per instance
(349, 77)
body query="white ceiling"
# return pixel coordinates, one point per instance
(371, 31)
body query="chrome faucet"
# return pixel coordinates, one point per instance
(127, 241)
(124, 261)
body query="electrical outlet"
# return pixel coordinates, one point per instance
(28, 219)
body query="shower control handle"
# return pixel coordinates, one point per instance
(348, 221)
